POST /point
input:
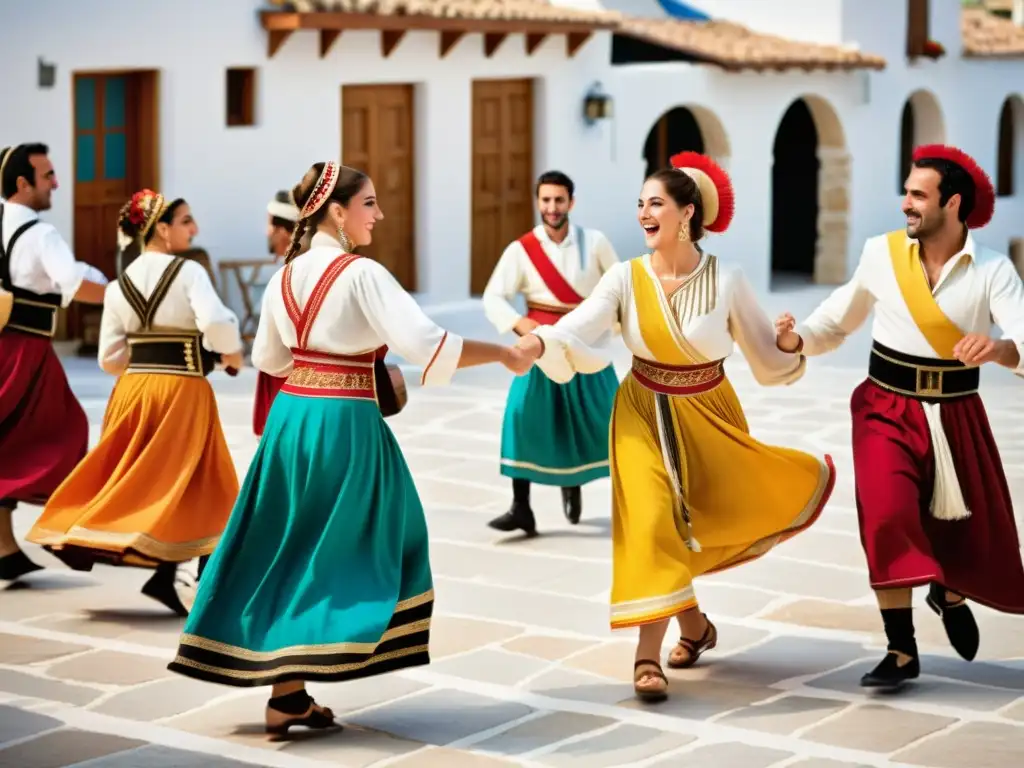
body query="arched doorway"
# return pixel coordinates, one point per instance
(810, 195)
(1008, 166)
(920, 123)
(687, 128)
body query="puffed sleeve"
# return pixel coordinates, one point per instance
(505, 282)
(843, 312)
(269, 352)
(751, 329)
(60, 264)
(1006, 302)
(217, 323)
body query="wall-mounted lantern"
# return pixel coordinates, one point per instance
(597, 105)
(47, 74)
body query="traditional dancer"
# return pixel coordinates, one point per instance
(282, 215)
(43, 430)
(932, 499)
(157, 489)
(552, 434)
(323, 572)
(683, 462)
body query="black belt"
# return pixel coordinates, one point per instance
(924, 378)
(181, 354)
(33, 317)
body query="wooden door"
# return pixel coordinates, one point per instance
(377, 138)
(115, 154)
(503, 199)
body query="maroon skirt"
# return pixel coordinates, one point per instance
(267, 387)
(978, 557)
(44, 432)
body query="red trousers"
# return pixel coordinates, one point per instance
(978, 557)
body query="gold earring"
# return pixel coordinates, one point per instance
(345, 240)
(684, 232)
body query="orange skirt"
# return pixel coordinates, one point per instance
(157, 488)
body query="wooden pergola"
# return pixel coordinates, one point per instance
(280, 25)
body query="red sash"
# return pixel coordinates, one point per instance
(552, 278)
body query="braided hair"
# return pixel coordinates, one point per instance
(350, 181)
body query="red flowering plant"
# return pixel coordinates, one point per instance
(933, 50)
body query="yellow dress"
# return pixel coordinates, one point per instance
(693, 491)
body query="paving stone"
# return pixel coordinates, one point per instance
(450, 635)
(239, 718)
(491, 666)
(354, 747)
(624, 745)
(783, 716)
(24, 649)
(162, 699)
(733, 602)
(700, 699)
(798, 579)
(159, 756)
(875, 728)
(725, 756)
(442, 757)
(347, 697)
(851, 618)
(440, 717)
(1016, 712)
(541, 732)
(782, 658)
(111, 667)
(547, 646)
(973, 745)
(818, 762)
(23, 684)
(17, 723)
(560, 683)
(63, 748)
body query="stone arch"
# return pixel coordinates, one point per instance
(921, 122)
(1010, 135)
(688, 127)
(810, 193)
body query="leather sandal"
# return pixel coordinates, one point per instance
(315, 718)
(693, 648)
(649, 668)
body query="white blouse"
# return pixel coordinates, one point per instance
(977, 287)
(42, 262)
(715, 307)
(515, 273)
(365, 309)
(191, 304)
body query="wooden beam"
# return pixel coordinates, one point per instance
(574, 41)
(287, 20)
(327, 38)
(389, 40)
(448, 41)
(275, 39)
(533, 41)
(493, 41)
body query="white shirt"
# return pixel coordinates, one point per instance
(42, 262)
(977, 287)
(365, 309)
(515, 273)
(730, 313)
(191, 304)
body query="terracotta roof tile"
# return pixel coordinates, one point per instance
(735, 47)
(503, 10)
(988, 36)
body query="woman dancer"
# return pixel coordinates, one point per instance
(158, 488)
(323, 571)
(684, 465)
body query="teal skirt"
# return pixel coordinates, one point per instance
(323, 572)
(557, 434)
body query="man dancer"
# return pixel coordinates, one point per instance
(552, 434)
(932, 499)
(44, 432)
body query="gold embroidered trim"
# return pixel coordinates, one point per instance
(311, 378)
(110, 541)
(669, 378)
(697, 296)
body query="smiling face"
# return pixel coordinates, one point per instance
(178, 235)
(358, 218)
(925, 215)
(660, 217)
(554, 204)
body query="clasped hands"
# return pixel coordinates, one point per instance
(520, 358)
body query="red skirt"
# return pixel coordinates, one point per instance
(44, 432)
(978, 557)
(267, 387)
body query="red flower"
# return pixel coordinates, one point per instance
(933, 49)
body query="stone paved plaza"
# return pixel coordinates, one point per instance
(525, 669)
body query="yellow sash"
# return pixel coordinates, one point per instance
(658, 324)
(940, 332)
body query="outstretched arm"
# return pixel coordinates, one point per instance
(753, 332)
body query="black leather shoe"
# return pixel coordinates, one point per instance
(958, 620)
(162, 587)
(572, 504)
(16, 565)
(890, 675)
(518, 518)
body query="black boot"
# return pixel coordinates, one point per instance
(16, 565)
(519, 516)
(899, 629)
(572, 504)
(961, 628)
(161, 587)
(202, 566)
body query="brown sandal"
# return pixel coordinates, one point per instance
(314, 718)
(649, 668)
(694, 648)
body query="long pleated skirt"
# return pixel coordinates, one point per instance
(557, 434)
(744, 498)
(323, 572)
(157, 488)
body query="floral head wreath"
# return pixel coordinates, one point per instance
(715, 187)
(321, 190)
(984, 192)
(143, 210)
